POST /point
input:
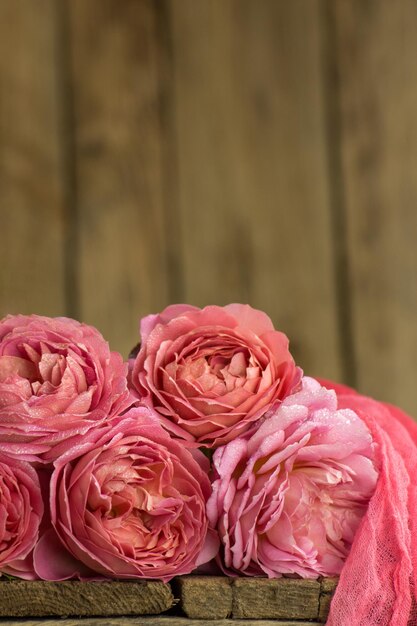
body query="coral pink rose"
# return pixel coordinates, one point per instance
(212, 373)
(128, 504)
(21, 510)
(290, 498)
(58, 379)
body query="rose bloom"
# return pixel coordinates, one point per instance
(21, 510)
(58, 379)
(290, 498)
(130, 504)
(211, 373)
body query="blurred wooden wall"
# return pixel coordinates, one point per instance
(209, 151)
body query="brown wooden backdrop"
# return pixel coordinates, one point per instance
(263, 151)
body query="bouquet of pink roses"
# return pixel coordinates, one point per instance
(208, 448)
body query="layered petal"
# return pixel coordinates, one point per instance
(289, 498)
(211, 373)
(58, 379)
(21, 511)
(130, 502)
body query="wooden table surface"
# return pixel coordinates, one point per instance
(185, 601)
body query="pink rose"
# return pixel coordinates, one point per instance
(290, 498)
(21, 510)
(129, 502)
(58, 379)
(212, 373)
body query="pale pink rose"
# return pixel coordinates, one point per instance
(128, 503)
(290, 498)
(21, 511)
(58, 379)
(212, 373)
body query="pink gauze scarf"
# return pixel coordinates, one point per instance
(378, 581)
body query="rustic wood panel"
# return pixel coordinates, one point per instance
(122, 248)
(28, 599)
(198, 597)
(252, 166)
(32, 194)
(157, 621)
(112, 120)
(217, 597)
(327, 589)
(283, 598)
(204, 597)
(376, 51)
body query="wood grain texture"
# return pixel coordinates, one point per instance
(155, 621)
(375, 52)
(252, 166)
(204, 597)
(26, 599)
(199, 597)
(283, 598)
(327, 589)
(122, 256)
(218, 597)
(32, 196)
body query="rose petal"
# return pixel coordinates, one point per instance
(212, 372)
(289, 498)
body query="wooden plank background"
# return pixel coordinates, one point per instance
(155, 151)
(221, 598)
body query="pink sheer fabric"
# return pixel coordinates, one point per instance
(378, 581)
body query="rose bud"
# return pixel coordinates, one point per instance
(289, 499)
(211, 373)
(21, 510)
(129, 502)
(58, 379)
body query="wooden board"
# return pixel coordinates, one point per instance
(154, 621)
(296, 599)
(327, 589)
(32, 192)
(204, 597)
(197, 597)
(375, 52)
(214, 151)
(122, 249)
(254, 200)
(28, 599)
(217, 597)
